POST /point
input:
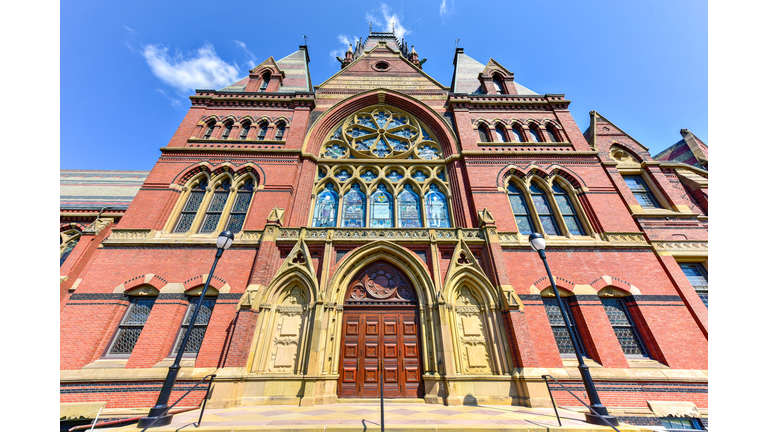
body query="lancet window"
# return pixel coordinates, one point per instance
(401, 184)
(532, 206)
(212, 209)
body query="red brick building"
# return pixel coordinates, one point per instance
(382, 215)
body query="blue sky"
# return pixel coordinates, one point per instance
(127, 69)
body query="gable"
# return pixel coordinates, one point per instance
(399, 74)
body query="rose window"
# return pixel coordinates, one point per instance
(381, 132)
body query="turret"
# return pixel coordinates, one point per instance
(347, 57)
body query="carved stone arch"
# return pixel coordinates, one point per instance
(480, 121)
(263, 120)
(499, 121)
(187, 174)
(255, 170)
(151, 280)
(567, 176)
(619, 286)
(400, 257)
(553, 123)
(229, 118)
(283, 119)
(247, 118)
(332, 118)
(632, 155)
(216, 285)
(207, 120)
(506, 173)
(66, 226)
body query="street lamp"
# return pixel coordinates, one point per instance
(157, 414)
(538, 244)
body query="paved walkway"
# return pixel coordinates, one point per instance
(366, 417)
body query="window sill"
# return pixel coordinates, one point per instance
(108, 363)
(570, 361)
(167, 362)
(645, 363)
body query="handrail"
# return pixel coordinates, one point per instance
(577, 398)
(205, 399)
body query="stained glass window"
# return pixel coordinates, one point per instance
(263, 132)
(343, 175)
(71, 242)
(498, 85)
(697, 276)
(321, 173)
(520, 209)
(208, 132)
(437, 208)
(131, 325)
(517, 134)
(643, 196)
(534, 134)
(369, 176)
(483, 134)
(623, 326)
(408, 208)
(244, 131)
(551, 134)
(419, 176)
(557, 323)
(441, 175)
(280, 131)
(335, 151)
(198, 328)
(541, 204)
(191, 207)
(353, 208)
(215, 208)
(566, 209)
(426, 135)
(240, 208)
(673, 423)
(381, 208)
(381, 149)
(428, 152)
(394, 176)
(227, 131)
(500, 135)
(325, 207)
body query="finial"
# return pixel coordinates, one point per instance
(457, 43)
(413, 50)
(393, 27)
(349, 50)
(370, 28)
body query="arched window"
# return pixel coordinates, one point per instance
(437, 208)
(244, 129)
(227, 131)
(209, 131)
(501, 136)
(483, 131)
(265, 82)
(130, 327)
(541, 204)
(535, 137)
(326, 204)
(520, 209)
(191, 207)
(67, 242)
(517, 134)
(408, 208)
(215, 208)
(623, 326)
(198, 327)
(353, 208)
(240, 208)
(382, 214)
(567, 210)
(279, 131)
(498, 85)
(262, 131)
(558, 324)
(552, 134)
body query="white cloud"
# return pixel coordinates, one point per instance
(345, 42)
(446, 9)
(174, 102)
(202, 69)
(130, 30)
(251, 59)
(392, 19)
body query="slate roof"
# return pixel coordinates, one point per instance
(296, 78)
(684, 150)
(466, 70)
(94, 189)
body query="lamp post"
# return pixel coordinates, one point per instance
(538, 244)
(157, 414)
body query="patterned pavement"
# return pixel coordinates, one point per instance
(366, 417)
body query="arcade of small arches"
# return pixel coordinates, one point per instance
(244, 129)
(519, 132)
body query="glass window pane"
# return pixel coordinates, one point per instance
(518, 135)
(500, 137)
(548, 225)
(622, 326)
(325, 207)
(524, 224)
(139, 312)
(194, 200)
(185, 222)
(564, 204)
(635, 183)
(557, 323)
(534, 135)
(382, 215)
(437, 209)
(125, 340)
(236, 222)
(408, 209)
(353, 208)
(573, 225)
(483, 134)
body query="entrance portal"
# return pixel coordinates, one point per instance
(380, 330)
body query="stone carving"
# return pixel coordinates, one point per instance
(129, 234)
(472, 334)
(681, 246)
(251, 235)
(287, 336)
(381, 282)
(625, 238)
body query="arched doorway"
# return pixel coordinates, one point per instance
(380, 331)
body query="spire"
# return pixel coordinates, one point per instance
(413, 57)
(348, 57)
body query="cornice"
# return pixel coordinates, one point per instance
(235, 99)
(514, 102)
(282, 151)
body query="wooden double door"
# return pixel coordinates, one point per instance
(380, 340)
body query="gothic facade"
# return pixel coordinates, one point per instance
(381, 222)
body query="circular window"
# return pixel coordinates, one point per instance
(381, 66)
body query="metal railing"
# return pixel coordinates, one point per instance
(576, 397)
(202, 410)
